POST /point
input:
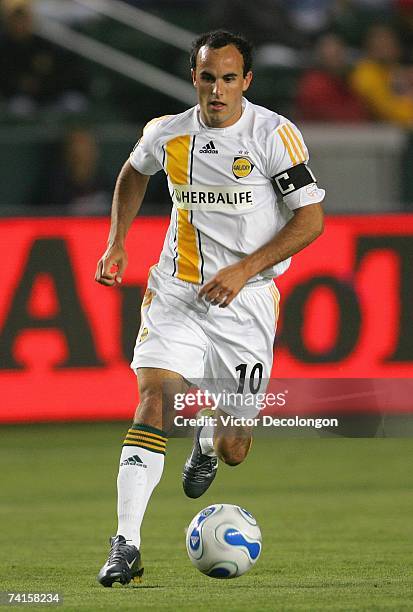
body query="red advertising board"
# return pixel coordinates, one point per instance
(66, 342)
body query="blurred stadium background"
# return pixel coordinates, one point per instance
(78, 81)
(80, 78)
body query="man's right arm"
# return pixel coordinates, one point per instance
(129, 193)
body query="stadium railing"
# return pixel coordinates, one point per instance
(119, 61)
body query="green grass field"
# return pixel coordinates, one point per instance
(336, 517)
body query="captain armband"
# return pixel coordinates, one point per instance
(293, 179)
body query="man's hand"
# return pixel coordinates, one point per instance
(225, 285)
(111, 266)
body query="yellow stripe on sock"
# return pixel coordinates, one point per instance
(144, 445)
(142, 432)
(142, 439)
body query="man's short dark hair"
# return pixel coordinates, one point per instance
(222, 38)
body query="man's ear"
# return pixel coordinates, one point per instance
(247, 81)
(193, 75)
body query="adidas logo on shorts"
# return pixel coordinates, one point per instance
(209, 148)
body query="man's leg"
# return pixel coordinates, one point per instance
(242, 333)
(140, 470)
(229, 443)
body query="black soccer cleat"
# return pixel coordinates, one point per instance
(123, 565)
(199, 470)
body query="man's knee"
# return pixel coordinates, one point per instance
(150, 410)
(232, 451)
(156, 388)
(150, 396)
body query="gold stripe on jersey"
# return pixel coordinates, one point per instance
(295, 144)
(292, 143)
(177, 162)
(188, 257)
(287, 145)
(298, 147)
(177, 167)
(276, 296)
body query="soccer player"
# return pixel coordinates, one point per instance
(244, 201)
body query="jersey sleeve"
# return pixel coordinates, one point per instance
(288, 158)
(146, 154)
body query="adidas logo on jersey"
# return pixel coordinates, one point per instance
(135, 460)
(209, 148)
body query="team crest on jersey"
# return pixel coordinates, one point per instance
(242, 167)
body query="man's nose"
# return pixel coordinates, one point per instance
(217, 88)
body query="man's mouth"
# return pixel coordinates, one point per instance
(216, 105)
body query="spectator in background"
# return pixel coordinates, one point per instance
(76, 183)
(323, 92)
(263, 21)
(404, 20)
(35, 74)
(310, 16)
(379, 78)
(374, 5)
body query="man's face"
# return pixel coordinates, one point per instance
(220, 83)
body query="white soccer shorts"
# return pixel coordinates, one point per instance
(223, 349)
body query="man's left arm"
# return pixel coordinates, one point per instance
(302, 229)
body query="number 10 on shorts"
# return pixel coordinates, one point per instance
(255, 377)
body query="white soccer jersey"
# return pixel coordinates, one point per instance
(221, 182)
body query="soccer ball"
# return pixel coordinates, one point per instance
(223, 541)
